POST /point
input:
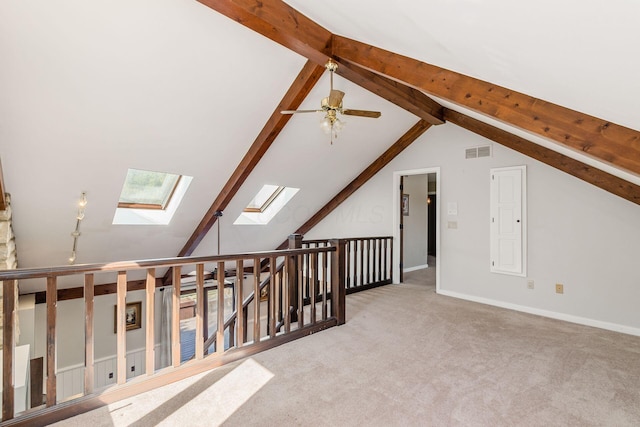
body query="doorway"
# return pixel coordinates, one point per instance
(425, 205)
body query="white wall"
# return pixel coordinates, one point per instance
(415, 224)
(578, 235)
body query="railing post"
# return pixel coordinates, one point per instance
(295, 242)
(337, 281)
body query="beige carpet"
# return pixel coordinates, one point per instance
(409, 357)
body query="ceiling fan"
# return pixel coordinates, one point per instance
(332, 105)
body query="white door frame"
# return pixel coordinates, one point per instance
(396, 219)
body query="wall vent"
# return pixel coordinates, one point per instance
(471, 153)
(476, 152)
(484, 151)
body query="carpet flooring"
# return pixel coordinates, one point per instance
(410, 357)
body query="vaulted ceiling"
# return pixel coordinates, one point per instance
(93, 88)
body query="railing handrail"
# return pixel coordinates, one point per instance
(315, 241)
(67, 270)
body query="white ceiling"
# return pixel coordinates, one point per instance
(91, 88)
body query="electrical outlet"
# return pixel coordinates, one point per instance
(559, 288)
(133, 369)
(110, 375)
(529, 284)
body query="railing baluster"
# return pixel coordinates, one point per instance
(256, 300)
(347, 267)
(8, 342)
(175, 317)
(300, 285)
(150, 347)
(390, 259)
(121, 328)
(272, 302)
(278, 297)
(385, 276)
(239, 292)
(220, 331)
(369, 264)
(205, 319)
(52, 302)
(306, 276)
(324, 284)
(379, 259)
(361, 261)
(88, 334)
(200, 297)
(313, 291)
(286, 295)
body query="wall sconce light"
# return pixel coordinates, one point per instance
(82, 203)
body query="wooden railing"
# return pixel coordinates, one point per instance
(368, 261)
(273, 312)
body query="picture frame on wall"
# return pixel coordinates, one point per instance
(132, 318)
(405, 205)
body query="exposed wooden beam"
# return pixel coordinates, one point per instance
(597, 177)
(279, 22)
(598, 138)
(384, 159)
(397, 93)
(298, 91)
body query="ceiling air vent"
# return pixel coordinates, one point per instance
(476, 152)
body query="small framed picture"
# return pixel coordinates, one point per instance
(405, 205)
(132, 316)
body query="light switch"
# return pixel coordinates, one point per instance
(452, 208)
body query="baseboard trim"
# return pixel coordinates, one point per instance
(615, 327)
(417, 267)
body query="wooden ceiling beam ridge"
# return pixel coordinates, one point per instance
(385, 158)
(298, 91)
(603, 140)
(279, 22)
(587, 173)
(406, 97)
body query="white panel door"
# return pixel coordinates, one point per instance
(507, 220)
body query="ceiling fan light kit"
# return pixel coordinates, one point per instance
(332, 105)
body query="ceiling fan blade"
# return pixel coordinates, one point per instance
(299, 111)
(362, 113)
(335, 98)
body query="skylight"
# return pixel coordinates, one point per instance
(147, 190)
(264, 198)
(265, 205)
(150, 198)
